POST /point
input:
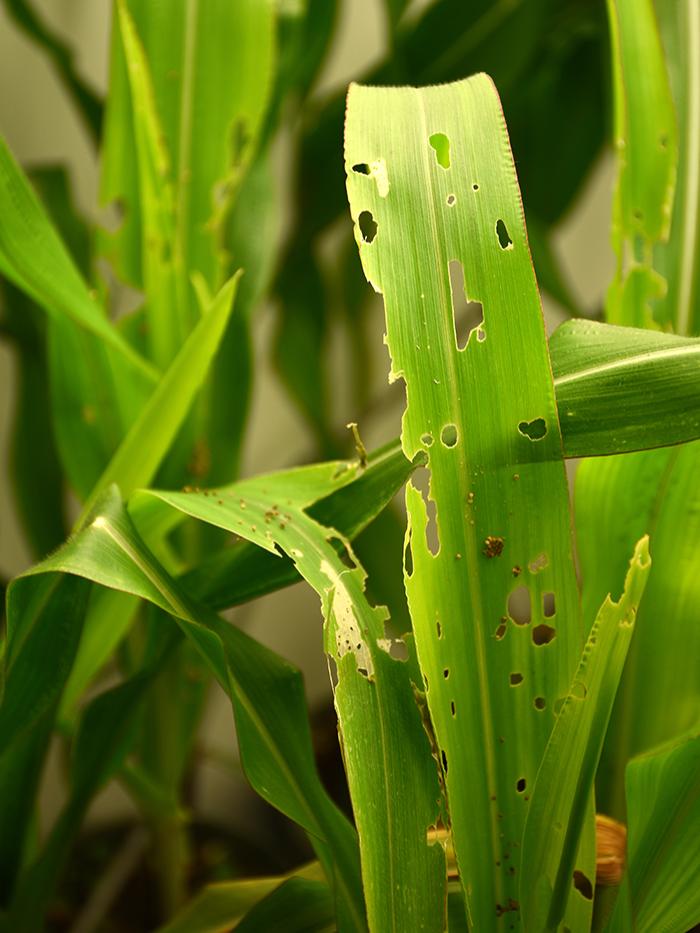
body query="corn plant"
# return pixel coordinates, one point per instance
(520, 740)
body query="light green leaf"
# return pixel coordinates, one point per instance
(299, 905)
(663, 805)
(647, 150)
(621, 388)
(142, 450)
(34, 258)
(218, 906)
(431, 182)
(564, 784)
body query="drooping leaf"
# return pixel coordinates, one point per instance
(564, 784)
(391, 773)
(622, 388)
(236, 575)
(489, 575)
(265, 691)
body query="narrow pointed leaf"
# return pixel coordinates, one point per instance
(564, 783)
(34, 258)
(142, 450)
(439, 188)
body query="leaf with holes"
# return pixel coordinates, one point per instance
(489, 551)
(564, 784)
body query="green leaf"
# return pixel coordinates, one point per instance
(620, 388)
(494, 660)
(169, 318)
(391, 773)
(266, 692)
(617, 500)
(564, 783)
(210, 117)
(299, 905)
(34, 258)
(663, 805)
(44, 622)
(646, 141)
(218, 906)
(244, 572)
(680, 31)
(142, 450)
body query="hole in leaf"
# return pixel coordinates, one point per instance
(427, 439)
(578, 690)
(451, 200)
(504, 239)
(500, 631)
(543, 634)
(444, 760)
(535, 430)
(446, 673)
(515, 679)
(521, 785)
(368, 226)
(583, 885)
(549, 606)
(449, 435)
(519, 607)
(453, 709)
(467, 315)
(362, 168)
(421, 481)
(439, 629)
(441, 145)
(398, 650)
(408, 558)
(539, 703)
(475, 186)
